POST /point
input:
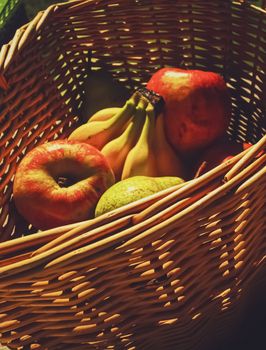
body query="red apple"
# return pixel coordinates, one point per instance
(217, 153)
(60, 182)
(197, 106)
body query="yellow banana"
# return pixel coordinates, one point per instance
(117, 149)
(167, 161)
(141, 159)
(99, 132)
(105, 113)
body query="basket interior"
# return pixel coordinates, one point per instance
(47, 63)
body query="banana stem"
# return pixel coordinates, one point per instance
(143, 103)
(149, 123)
(151, 113)
(153, 98)
(125, 113)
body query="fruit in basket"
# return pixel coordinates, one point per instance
(217, 153)
(168, 162)
(60, 182)
(116, 151)
(141, 158)
(152, 155)
(197, 106)
(132, 139)
(98, 132)
(131, 189)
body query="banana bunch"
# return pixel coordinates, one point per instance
(98, 132)
(132, 139)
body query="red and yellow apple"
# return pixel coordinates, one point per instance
(197, 106)
(60, 182)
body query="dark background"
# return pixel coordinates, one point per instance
(250, 333)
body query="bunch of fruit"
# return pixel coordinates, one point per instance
(132, 138)
(125, 153)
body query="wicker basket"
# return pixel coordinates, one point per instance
(172, 271)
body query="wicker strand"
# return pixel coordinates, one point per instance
(252, 152)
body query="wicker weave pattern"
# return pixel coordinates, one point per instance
(175, 267)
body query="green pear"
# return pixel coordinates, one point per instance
(131, 189)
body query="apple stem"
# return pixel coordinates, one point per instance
(200, 169)
(64, 181)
